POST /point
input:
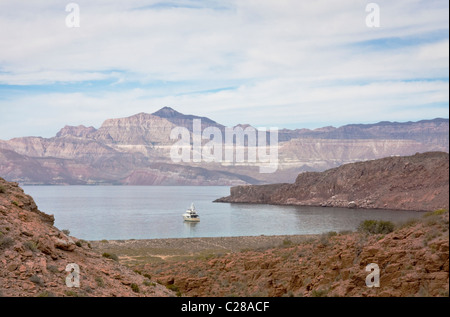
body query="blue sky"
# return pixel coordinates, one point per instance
(286, 63)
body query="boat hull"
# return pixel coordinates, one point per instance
(189, 219)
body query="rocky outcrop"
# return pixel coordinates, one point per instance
(413, 261)
(140, 129)
(80, 132)
(417, 182)
(35, 256)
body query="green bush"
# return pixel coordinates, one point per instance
(2, 190)
(66, 231)
(135, 288)
(436, 212)
(46, 294)
(99, 281)
(175, 289)
(30, 245)
(111, 256)
(71, 293)
(319, 293)
(376, 227)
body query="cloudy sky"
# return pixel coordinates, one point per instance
(270, 63)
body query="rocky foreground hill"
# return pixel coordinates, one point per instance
(413, 260)
(136, 151)
(34, 256)
(418, 182)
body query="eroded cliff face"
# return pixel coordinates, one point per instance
(130, 151)
(34, 255)
(417, 182)
(140, 129)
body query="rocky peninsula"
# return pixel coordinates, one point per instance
(419, 182)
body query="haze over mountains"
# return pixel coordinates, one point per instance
(136, 151)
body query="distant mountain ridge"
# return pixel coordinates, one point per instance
(136, 151)
(382, 130)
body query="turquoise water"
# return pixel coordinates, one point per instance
(147, 212)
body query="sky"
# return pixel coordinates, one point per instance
(284, 63)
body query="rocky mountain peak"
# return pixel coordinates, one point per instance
(167, 112)
(184, 120)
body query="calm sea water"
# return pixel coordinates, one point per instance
(147, 212)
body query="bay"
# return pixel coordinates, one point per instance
(150, 212)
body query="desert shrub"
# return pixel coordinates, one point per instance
(149, 283)
(435, 213)
(135, 287)
(319, 293)
(71, 293)
(99, 281)
(5, 242)
(287, 242)
(2, 189)
(66, 231)
(174, 289)
(78, 244)
(376, 227)
(30, 245)
(111, 256)
(46, 294)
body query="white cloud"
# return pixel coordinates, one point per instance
(290, 61)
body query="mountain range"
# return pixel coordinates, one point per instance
(136, 151)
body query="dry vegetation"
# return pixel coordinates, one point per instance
(413, 261)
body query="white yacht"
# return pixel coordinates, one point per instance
(191, 214)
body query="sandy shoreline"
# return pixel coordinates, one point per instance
(138, 251)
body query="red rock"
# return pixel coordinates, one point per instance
(424, 186)
(18, 264)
